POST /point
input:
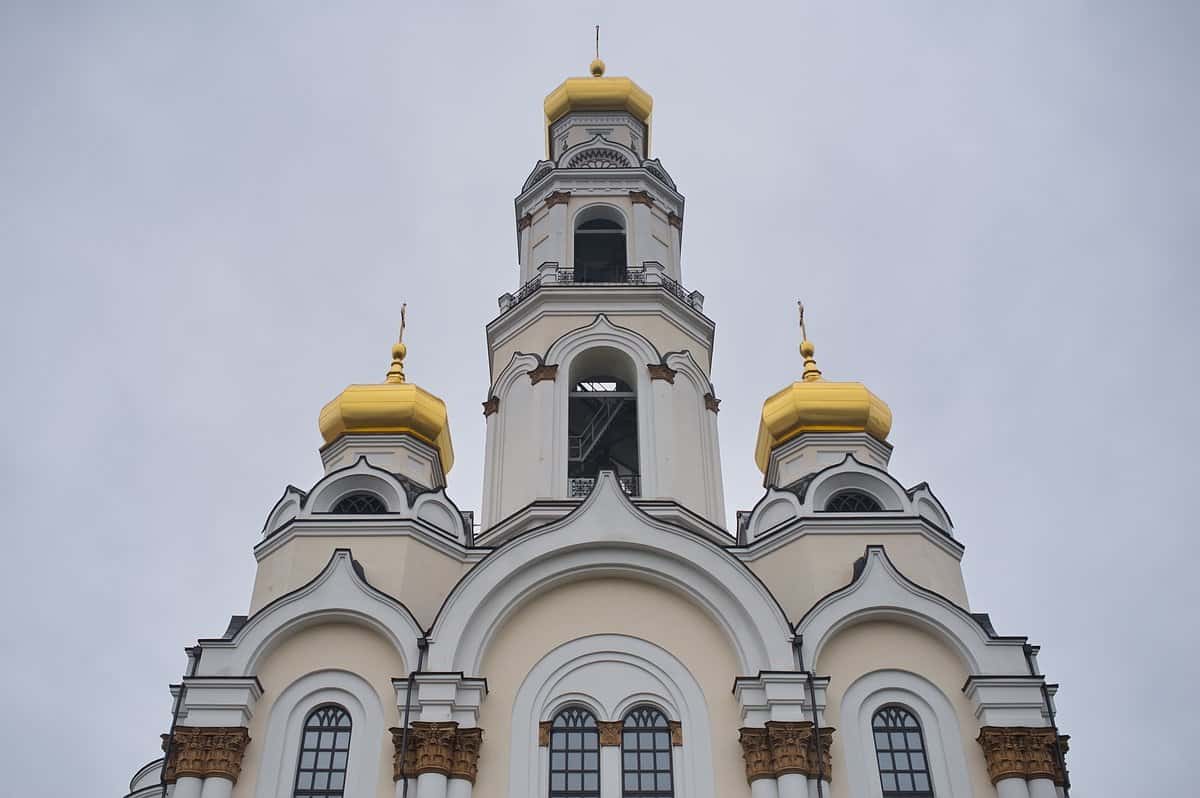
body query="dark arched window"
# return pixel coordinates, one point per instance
(646, 755)
(360, 504)
(600, 251)
(324, 748)
(574, 755)
(900, 749)
(852, 501)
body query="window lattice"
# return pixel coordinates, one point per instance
(646, 755)
(852, 501)
(900, 750)
(360, 504)
(324, 749)
(574, 755)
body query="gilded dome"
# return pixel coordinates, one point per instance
(597, 93)
(814, 404)
(392, 407)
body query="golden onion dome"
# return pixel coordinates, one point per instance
(393, 407)
(816, 405)
(597, 93)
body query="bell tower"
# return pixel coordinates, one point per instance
(600, 358)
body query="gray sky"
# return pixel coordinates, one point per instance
(210, 212)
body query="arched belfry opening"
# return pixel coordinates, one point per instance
(602, 430)
(600, 249)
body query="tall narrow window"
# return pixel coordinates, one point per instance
(574, 755)
(600, 251)
(646, 755)
(900, 749)
(324, 749)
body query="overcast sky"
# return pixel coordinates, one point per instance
(210, 213)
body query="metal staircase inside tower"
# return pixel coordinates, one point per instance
(580, 447)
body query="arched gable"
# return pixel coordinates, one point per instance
(608, 536)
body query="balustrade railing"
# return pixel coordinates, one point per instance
(649, 273)
(581, 487)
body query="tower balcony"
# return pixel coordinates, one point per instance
(649, 273)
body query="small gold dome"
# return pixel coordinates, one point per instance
(596, 68)
(393, 407)
(816, 405)
(597, 93)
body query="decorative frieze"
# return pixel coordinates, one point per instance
(436, 748)
(785, 747)
(491, 406)
(524, 222)
(661, 371)
(610, 731)
(675, 220)
(205, 751)
(1022, 752)
(543, 372)
(641, 198)
(712, 403)
(557, 198)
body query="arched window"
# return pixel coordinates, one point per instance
(646, 755)
(574, 755)
(852, 501)
(900, 750)
(600, 255)
(360, 504)
(602, 429)
(324, 749)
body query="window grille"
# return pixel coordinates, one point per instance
(852, 501)
(574, 755)
(324, 749)
(360, 504)
(646, 755)
(900, 750)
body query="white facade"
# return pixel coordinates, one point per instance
(602, 584)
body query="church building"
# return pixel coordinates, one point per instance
(600, 629)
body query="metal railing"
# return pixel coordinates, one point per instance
(649, 273)
(581, 487)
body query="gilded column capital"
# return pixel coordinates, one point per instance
(408, 767)
(661, 371)
(543, 372)
(712, 403)
(756, 750)
(203, 751)
(1022, 752)
(641, 198)
(676, 732)
(792, 747)
(434, 746)
(1060, 769)
(675, 221)
(491, 405)
(557, 198)
(465, 760)
(610, 731)
(524, 222)
(544, 733)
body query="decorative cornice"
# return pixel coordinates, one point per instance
(205, 751)
(558, 198)
(491, 406)
(543, 372)
(675, 220)
(641, 198)
(524, 222)
(712, 403)
(785, 747)
(610, 731)
(1020, 752)
(464, 763)
(661, 371)
(544, 733)
(676, 732)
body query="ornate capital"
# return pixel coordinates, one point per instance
(712, 403)
(791, 747)
(661, 371)
(756, 750)
(787, 747)
(524, 222)
(676, 732)
(543, 372)
(205, 751)
(407, 767)
(465, 761)
(675, 221)
(610, 731)
(1021, 752)
(544, 733)
(434, 746)
(491, 405)
(1060, 763)
(641, 198)
(558, 198)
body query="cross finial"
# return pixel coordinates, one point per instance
(803, 331)
(404, 319)
(597, 66)
(811, 372)
(396, 372)
(597, 41)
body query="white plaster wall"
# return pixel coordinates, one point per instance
(609, 606)
(689, 465)
(334, 646)
(884, 645)
(801, 572)
(520, 453)
(407, 569)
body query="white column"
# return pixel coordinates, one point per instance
(217, 787)
(641, 242)
(820, 789)
(610, 771)
(556, 248)
(431, 785)
(459, 788)
(543, 770)
(1012, 788)
(188, 787)
(1042, 788)
(764, 788)
(793, 785)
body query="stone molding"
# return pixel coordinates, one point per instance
(544, 733)
(491, 406)
(610, 731)
(641, 198)
(1021, 752)
(676, 732)
(675, 220)
(558, 198)
(204, 751)
(661, 371)
(712, 403)
(524, 222)
(784, 747)
(436, 747)
(543, 372)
